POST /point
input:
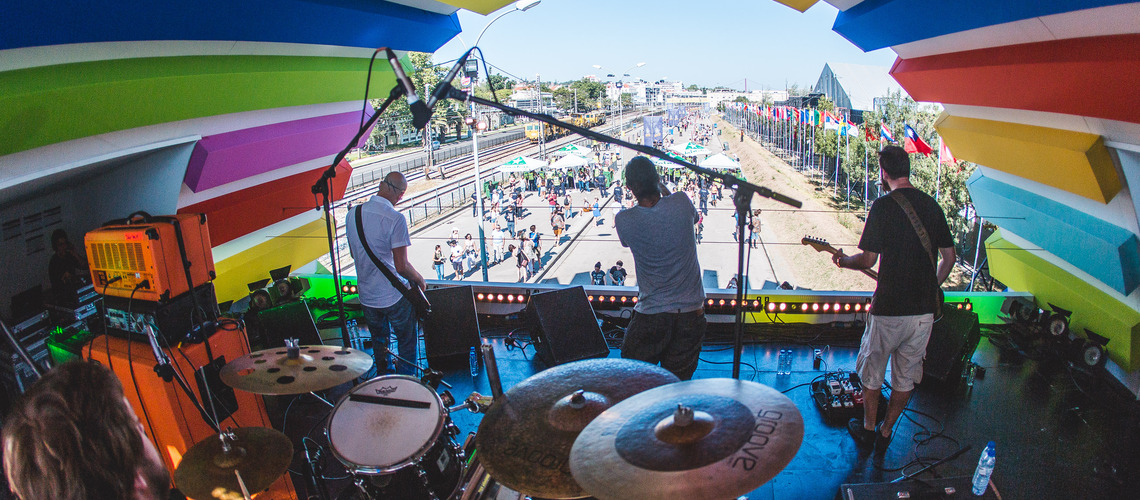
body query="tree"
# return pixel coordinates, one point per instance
(693, 87)
(741, 98)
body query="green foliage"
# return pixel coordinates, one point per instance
(741, 98)
(825, 104)
(693, 87)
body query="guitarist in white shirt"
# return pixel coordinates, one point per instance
(902, 311)
(386, 310)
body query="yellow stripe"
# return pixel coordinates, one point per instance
(800, 5)
(1076, 162)
(294, 248)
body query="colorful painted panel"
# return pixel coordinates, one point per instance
(293, 248)
(800, 5)
(1103, 71)
(876, 24)
(1108, 252)
(225, 158)
(46, 105)
(1092, 308)
(1072, 161)
(242, 212)
(349, 24)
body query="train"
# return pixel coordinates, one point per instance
(544, 131)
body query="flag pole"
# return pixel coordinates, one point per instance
(938, 178)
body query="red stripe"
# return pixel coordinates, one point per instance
(1095, 77)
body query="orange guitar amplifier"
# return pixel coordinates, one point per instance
(175, 424)
(147, 248)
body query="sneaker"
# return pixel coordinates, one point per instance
(863, 437)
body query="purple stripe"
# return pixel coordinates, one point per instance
(224, 158)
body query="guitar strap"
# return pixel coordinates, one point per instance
(399, 285)
(919, 229)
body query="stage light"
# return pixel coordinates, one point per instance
(858, 307)
(613, 299)
(783, 306)
(756, 304)
(711, 302)
(590, 298)
(500, 297)
(732, 302)
(635, 300)
(826, 307)
(510, 298)
(480, 296)
(815, 307)
(623, 299)
(721, 303)
(835, 307)
(771, 306)
(846, 307)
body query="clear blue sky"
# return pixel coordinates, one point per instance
(709, 43)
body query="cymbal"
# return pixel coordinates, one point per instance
(271, 372)
(524, 440)
(709, 438)
(260, 454)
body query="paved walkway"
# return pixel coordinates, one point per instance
(587, 242)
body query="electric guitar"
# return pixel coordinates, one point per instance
(821, 245)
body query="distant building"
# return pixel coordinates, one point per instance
(531, 99)
(855, 87)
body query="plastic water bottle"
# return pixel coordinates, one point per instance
(985, 469)
(474, 359)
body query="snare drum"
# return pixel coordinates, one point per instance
(393, 426)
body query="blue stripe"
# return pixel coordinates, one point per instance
(1106, 251)
(347, 23)
(875, 24)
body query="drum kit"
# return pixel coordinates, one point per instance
(606, 428)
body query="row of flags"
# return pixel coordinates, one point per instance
(912, 143)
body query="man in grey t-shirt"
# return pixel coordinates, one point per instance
(668, 324)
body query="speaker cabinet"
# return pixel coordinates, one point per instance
(453, 327)
(952, 342)
(563, 327)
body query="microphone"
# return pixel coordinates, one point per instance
(420, 112)
(444, 86)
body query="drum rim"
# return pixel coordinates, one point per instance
(356, 468)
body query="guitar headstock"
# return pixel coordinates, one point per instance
(819, 244)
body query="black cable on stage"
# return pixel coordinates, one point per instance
(131, 365)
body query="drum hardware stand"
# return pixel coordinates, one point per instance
(743, 197)
(316, 481)
(492, 371)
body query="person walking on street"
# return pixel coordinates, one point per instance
(437, 262)
(557, 224)
(497, 242)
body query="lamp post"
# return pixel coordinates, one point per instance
(621, 111)
(520, 5)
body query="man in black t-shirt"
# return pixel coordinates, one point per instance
(902, 311)
(618, 274)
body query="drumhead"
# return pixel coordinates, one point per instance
(374, 438)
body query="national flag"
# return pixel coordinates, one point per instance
(944, 154)
(847, 128)
(885, 133)
(867, 132)
(830, 122)
(912, 143)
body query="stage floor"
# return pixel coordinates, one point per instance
(1058, 436)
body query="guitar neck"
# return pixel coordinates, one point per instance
(872, 274)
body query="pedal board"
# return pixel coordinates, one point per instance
(839, 396)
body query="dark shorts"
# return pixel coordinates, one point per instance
(671, 339)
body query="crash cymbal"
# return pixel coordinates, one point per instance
(524, 440)
(707, 439)
(260, 454)
(273, 372)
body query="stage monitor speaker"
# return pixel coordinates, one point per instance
(952, 342)
(563, 327)
(453, 327)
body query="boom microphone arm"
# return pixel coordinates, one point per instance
(742, 199)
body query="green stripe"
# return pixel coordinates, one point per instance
(46, 105)
(1092, 308)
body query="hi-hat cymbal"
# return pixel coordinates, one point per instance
(316, 368)
(709, 438)
(259, 454)
(524, 440)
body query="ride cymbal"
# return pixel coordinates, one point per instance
(706, 439)
(316, 368)
(259, 454)
(524, 440)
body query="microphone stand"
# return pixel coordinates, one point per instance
(743, 198)
(323, 187)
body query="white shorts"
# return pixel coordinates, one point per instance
(903, 340)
